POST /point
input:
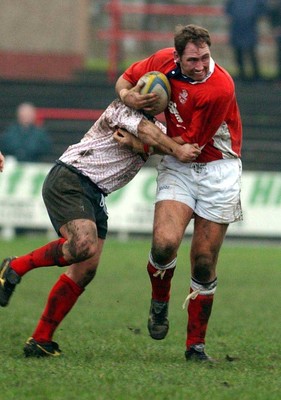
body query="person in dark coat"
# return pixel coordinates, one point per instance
(274, 14)
(244, 17)
(23, 139)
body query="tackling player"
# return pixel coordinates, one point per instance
(74, 194)
(203, 110)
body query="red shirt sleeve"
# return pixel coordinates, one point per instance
(161, 61)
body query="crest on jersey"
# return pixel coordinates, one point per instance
(183, 96)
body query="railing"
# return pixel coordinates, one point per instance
(115, 34)
(44, 114)
(66, 113)
(116, 9)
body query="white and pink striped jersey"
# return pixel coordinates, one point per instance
(99, 157)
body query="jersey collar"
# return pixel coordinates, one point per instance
(176, 74)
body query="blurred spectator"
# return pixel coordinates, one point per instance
(23, 139)
(150, 21)
(2, 161)
(274, 13)
(244, 17)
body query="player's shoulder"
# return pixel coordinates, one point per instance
(222, 73)
(165, 55)
(117, 106)
(119, 110)
(166, 52)
(163, 60)
(220, 85)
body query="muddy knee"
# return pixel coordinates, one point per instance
(81, 250)
(203, 268)
(162, 254)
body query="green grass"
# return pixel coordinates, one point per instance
(108, 354)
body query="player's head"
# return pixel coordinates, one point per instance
(192, 51)
(190, 34)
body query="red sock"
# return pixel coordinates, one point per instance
(199, 311)
(50, 254)
(160, 285)
(62, 298)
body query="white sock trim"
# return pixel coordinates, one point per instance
(205, 289)
(170, 265)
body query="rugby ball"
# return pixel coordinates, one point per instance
(156, 82)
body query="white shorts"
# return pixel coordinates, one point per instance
(211, 190)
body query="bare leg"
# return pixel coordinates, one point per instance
(170, 221)
(207, 240)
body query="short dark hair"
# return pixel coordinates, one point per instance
(190, 33)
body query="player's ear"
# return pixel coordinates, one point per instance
(176, 57)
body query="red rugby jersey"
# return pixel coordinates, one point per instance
(200, 112)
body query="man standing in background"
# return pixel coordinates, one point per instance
(274, 14)
(23, 139)
(244, 17)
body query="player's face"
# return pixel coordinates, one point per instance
(195, 61)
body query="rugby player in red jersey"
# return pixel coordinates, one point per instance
(203, 109)
(74, 194)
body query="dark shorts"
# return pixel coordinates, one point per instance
(69, 195)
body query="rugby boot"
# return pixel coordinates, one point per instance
(8, 281)
(197, 353)
(158, 323)
(32, 348)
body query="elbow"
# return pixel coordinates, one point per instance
(122, 83)
(148, 132)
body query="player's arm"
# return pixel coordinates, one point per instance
(151, 134)
(126, 139)
(152, 140)
(2, 161)
(185, 153)
(130, 95)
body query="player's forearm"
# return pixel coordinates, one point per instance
(143, 145)
(184, 153)
(152, 135)
(122, 88)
